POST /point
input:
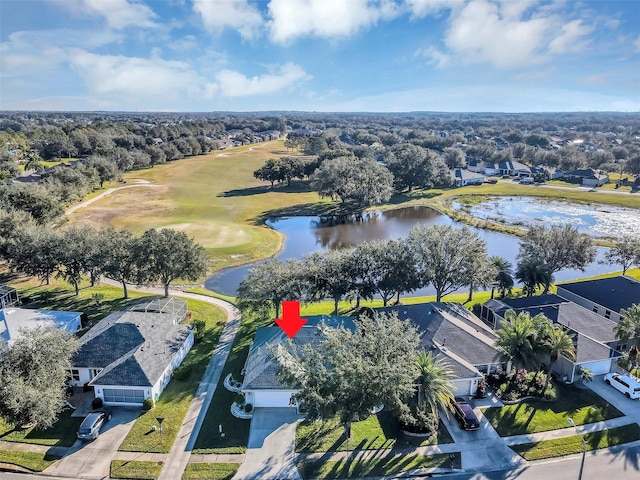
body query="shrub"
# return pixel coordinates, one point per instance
(239, 399)
(148, 404)
(96, 403)
(183, 372)
(248, 408)
(198, 329)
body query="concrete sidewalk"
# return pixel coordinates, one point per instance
(569, 431)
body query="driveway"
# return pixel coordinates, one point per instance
(271, 449)
(629, 407)
(483, 448)
(93, 459)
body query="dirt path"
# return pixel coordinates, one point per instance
(141, 183)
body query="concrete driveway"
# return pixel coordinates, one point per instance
(271, 450)
(92, 459)
(629, 407)
(480, 449)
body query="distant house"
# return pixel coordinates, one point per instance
(480, 166)
(604, 296)
(552, 172)
(463, 177)
(588, 176)
(514, 169)
(8, 296)
(13, 320)
(457, 337)
(260, 385)
(129, 356)
(596, 345)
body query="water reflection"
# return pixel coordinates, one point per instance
(309, 234)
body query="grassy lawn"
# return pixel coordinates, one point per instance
(35, 462)
(62, 433)
(236, 430)
(388, 465)
(210, 471)
(568, 445)
(176, 398)
(376, 432)
(135, 470)
(531, 416)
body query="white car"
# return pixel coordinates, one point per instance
(624, 383)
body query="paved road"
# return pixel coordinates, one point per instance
(141, 183)
(93, 459)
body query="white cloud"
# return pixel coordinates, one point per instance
(422, 8)
(134, 77)
(230, 83)
(637, 44)
(291, 19)
(236, 14)
(118, 14)
(571, 38)
(479, 33)
(435, 56)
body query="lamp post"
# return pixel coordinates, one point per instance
(584, 446)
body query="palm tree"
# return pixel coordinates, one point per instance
(504, 276)
(434, 388)
(518, 340)
(628, 328)
(558, 343)
(32, 161)
(534, 273)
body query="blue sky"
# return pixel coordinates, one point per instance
(320, 55)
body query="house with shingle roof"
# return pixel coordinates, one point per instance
(596, 345)
(462, 177)
(130, 355)
(604, 296)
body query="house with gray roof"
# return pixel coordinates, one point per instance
(455, 336)
(463, 177)
(130, 355)
(260, 385)
(595, 343)
(604, 296)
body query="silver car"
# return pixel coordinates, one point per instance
(90, 427)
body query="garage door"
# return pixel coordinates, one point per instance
(598, 368)
(271, 399)
(119, 395)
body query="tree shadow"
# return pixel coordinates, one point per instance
(300, 186)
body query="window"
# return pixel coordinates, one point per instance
(607, 314)
(120, 395)
(595, 308)
(74, 374)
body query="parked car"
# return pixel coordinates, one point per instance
(91, 425)
(463, 412)
(623, 383)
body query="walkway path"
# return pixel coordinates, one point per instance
(141, 183)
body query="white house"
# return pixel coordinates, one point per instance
(463, 177)
(130, 356)
(604, 296)
(13, 320)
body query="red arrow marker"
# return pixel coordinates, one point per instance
(290, 323)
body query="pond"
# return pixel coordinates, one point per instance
(309, 234)
(596, 220)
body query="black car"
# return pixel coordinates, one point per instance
(463, 412)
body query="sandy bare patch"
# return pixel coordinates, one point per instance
(213, 235)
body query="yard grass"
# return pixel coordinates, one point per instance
(36, 462)
(236, 431)
(62, 433)
(135, 470)
(387, 465)
(379, 431)
(176, 398)
(569, 445)
(210, 471)
(531, 416)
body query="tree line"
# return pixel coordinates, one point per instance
(77, 252)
